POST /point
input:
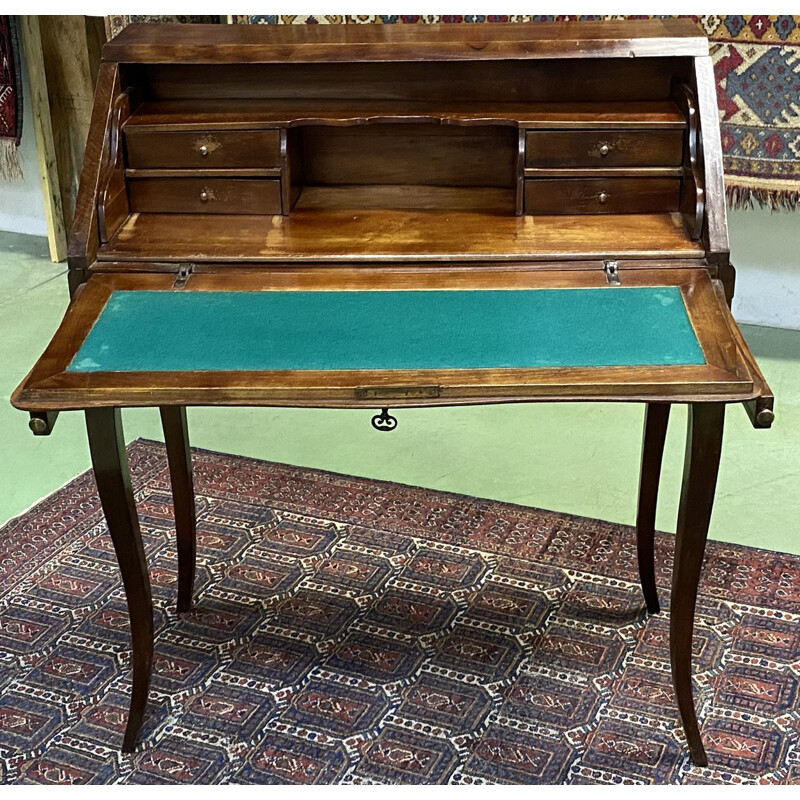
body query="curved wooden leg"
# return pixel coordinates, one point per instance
(176, 437)
(110, 463)
(656, 418)
(703, 447)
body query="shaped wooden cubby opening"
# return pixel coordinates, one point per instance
(422, 166)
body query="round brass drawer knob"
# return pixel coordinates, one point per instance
(204, 196)
(204, 151)
(604, 149)
(602, 197)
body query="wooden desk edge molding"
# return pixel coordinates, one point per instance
(554, 190)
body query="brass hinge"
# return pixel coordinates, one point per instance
(184, 271)
(612, 272)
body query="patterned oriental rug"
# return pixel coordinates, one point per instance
(352, 631)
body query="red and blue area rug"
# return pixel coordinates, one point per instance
(352, 631)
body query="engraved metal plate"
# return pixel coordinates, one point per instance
(395, 392)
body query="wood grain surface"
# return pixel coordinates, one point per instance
(725, 376)
(264, 44)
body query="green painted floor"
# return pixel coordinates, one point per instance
(577, 458)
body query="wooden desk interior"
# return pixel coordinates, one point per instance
(345, 230)
(393, 160)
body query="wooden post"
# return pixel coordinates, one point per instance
(71, 54)
(45, 146)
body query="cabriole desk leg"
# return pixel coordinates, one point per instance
(176, 437)
(703, 447)
(107, 446)
(656, 418)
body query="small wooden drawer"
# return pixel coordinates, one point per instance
(202, 149)
(601, 195)
(205, 195)
(622, 148)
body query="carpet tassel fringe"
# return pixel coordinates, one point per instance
(744, 197)
(10, 167)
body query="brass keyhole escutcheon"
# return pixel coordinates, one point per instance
(602, 198)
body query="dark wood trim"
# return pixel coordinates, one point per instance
(110, 463)
(709, 156)
(703, 448)
(84, 237)
(242, 114)
(204, 44)
(655, 432)
(179, 457)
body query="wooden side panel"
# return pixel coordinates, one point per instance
(692, 205)
(112, 197)
(115, 208)
(84, 237)
(292, 168)
(715, 232)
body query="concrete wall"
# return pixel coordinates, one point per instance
(21, 204)
(765, 249)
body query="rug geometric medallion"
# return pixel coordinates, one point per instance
(354, 631)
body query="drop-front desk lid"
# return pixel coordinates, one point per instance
(397, 336)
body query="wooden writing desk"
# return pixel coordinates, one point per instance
(390, 216)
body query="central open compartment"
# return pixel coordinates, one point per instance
(407, 165)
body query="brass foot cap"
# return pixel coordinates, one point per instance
(765, 417)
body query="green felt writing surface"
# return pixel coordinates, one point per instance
(323, 330)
